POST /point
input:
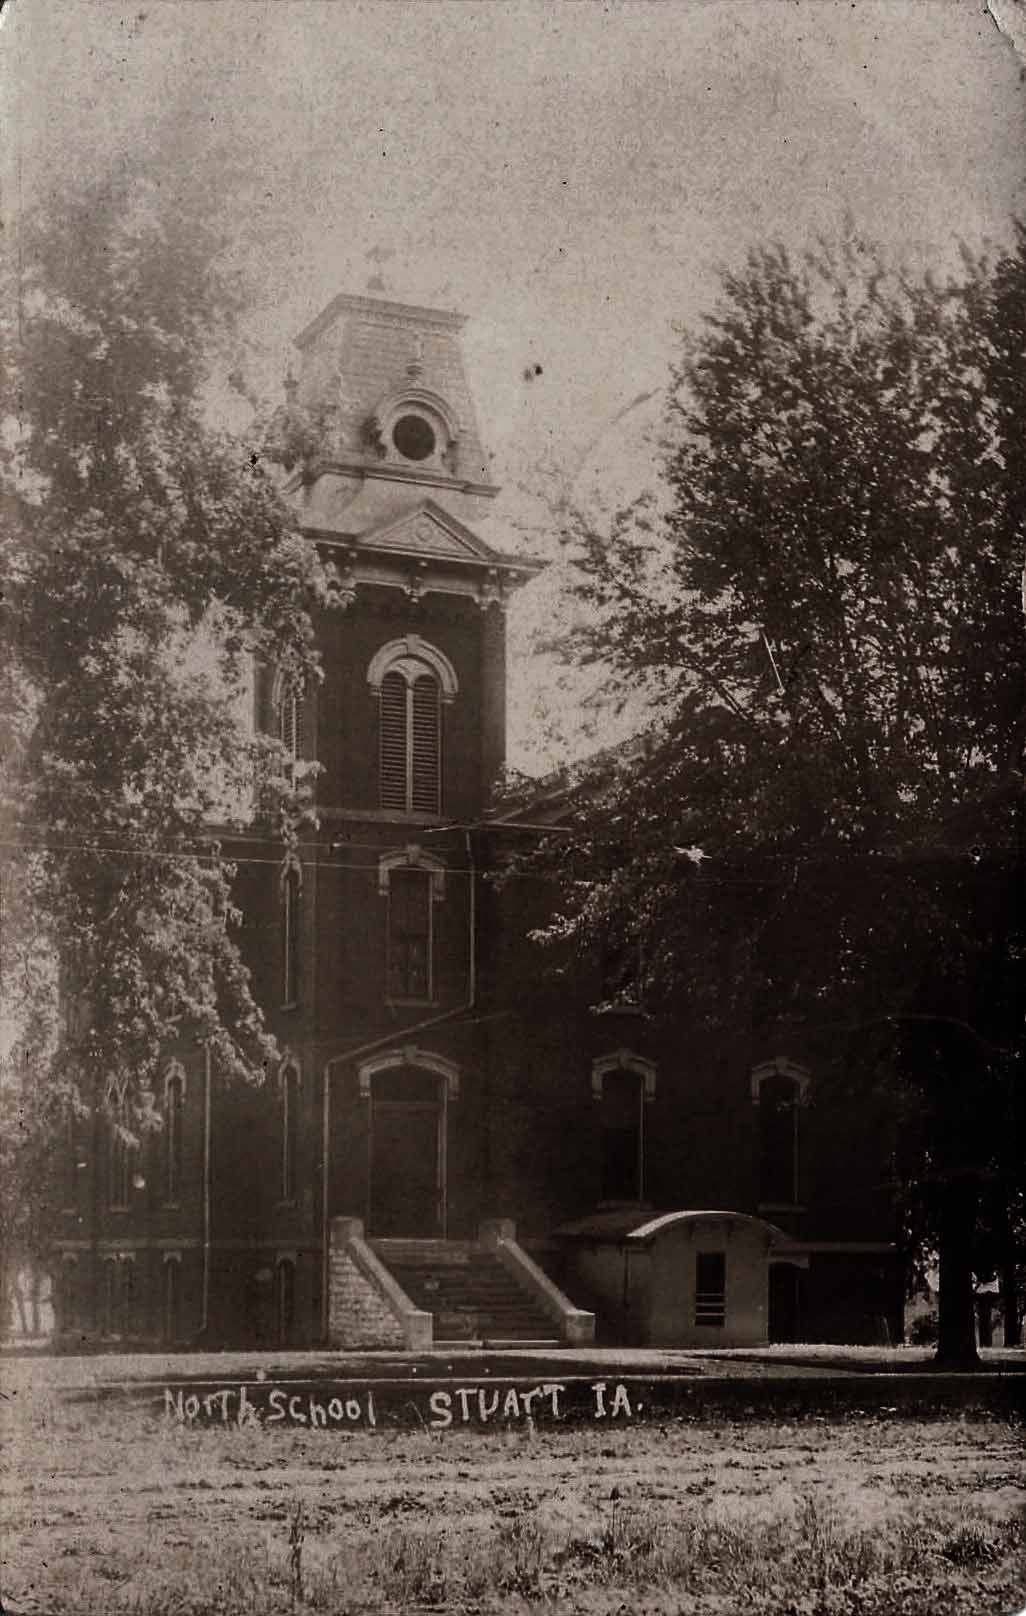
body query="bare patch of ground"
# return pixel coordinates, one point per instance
(107, 1508)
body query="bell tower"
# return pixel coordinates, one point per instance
(391, 478)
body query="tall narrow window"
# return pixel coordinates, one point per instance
(621, 1119)
(411, 680)
(69, 1298)
(778, 1141)
(111, 1296)
(410, 742)
(118, 1296)
(425, 747)
(288, 713)
(118, 1155)
(286, 1300)
(290, 903)
(174, 1116)
(69, 1161)
(710, 1288)
(289, 1132)
(409, 934)
(172, 1299)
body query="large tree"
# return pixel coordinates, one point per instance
(147, 560)
(823, 828)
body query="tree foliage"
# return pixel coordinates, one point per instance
(823, 830)
(147, 560)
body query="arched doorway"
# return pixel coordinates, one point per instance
(407, 1129)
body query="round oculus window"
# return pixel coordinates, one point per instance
(414, 437)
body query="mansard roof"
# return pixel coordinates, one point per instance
(362, 356)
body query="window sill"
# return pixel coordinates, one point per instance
(170, 1206)
(290, 1004)
(782, 1206)
(412, 1004)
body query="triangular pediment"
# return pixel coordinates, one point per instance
(427, 530)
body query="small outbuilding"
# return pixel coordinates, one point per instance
(680, 1279)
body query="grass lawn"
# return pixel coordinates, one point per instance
(108, 1509)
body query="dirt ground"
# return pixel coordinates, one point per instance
(107, 1507)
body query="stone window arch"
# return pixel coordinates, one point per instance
(409, 1055)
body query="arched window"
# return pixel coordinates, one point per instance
(285, 1300)
(287, 702)
(289, 1130)
(411, 680)
(118, 1296)
(412, 882)
(68, 1294)
(118, 1153)
(174, 1116)
(69, 1160)
(291, 897)
(622, 1083)
(780, 1089)
(172, 1300)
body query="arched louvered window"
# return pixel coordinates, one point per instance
(288, 718)
(411, 740)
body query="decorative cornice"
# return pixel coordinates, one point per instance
(379, 311)
(390, 471)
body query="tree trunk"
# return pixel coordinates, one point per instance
(956, 1311)
(1010, 1304)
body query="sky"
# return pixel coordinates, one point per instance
(569, 174)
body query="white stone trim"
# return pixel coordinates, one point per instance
(291, 864)
(412, 857)
(409, 1055)
(781, 1066)
(290, 1063)
(623, 1060)
(414, 399)
(173, 1069)
(411, 645)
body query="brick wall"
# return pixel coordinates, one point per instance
(358, 1315)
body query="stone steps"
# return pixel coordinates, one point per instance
(466, 1289)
